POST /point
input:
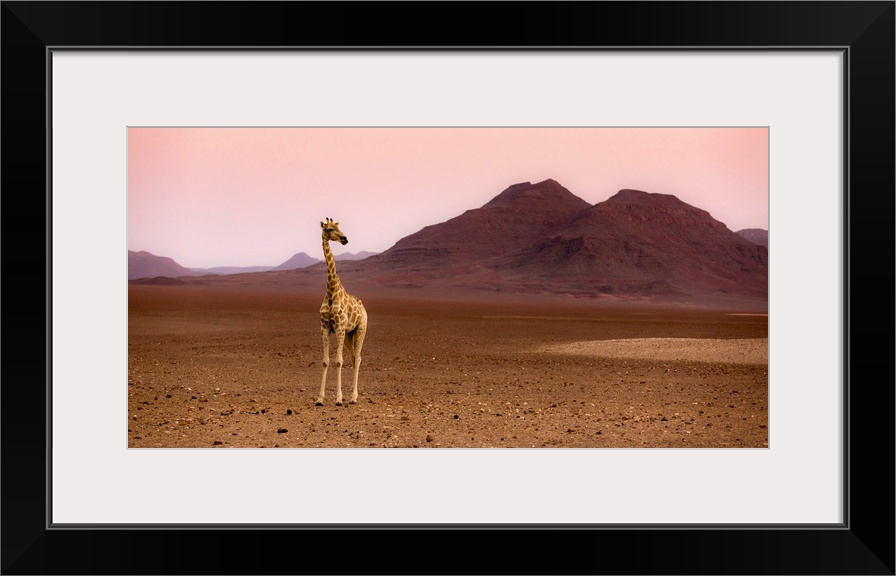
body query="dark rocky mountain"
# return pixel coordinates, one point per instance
(300, 260)
(517, 217)
(145, 265)
(541, 238)
(754, 235)
(644, 244)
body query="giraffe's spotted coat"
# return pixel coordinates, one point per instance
(341, 314)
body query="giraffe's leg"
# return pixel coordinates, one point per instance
(323, 379)
(356, 360)
(340, 342)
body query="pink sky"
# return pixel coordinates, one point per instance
(255, 196)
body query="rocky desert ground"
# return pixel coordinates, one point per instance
(240, 368)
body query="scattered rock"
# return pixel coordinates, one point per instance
(394, 400)
(217, 443)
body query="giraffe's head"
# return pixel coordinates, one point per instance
(332, 232)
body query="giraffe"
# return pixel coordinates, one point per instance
(341, 314)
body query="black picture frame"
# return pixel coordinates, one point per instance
(864, 544)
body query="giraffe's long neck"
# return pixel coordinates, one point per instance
(332, 277)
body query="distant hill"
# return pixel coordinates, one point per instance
(232, 269)
(300, 260)
(755, 235)
(347, 256)
(145, 265)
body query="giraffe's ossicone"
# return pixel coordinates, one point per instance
(341, 314)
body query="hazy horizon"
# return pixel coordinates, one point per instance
(213, 197)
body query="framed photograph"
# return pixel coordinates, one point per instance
(522, 317)
(99, 91)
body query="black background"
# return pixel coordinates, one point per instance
(864, 545)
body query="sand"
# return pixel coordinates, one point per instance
(711, 350)
(240, 368)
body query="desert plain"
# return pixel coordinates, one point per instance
(240, 367)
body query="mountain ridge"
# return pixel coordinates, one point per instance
(541, 239)
(634, 243)
(142, 265)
